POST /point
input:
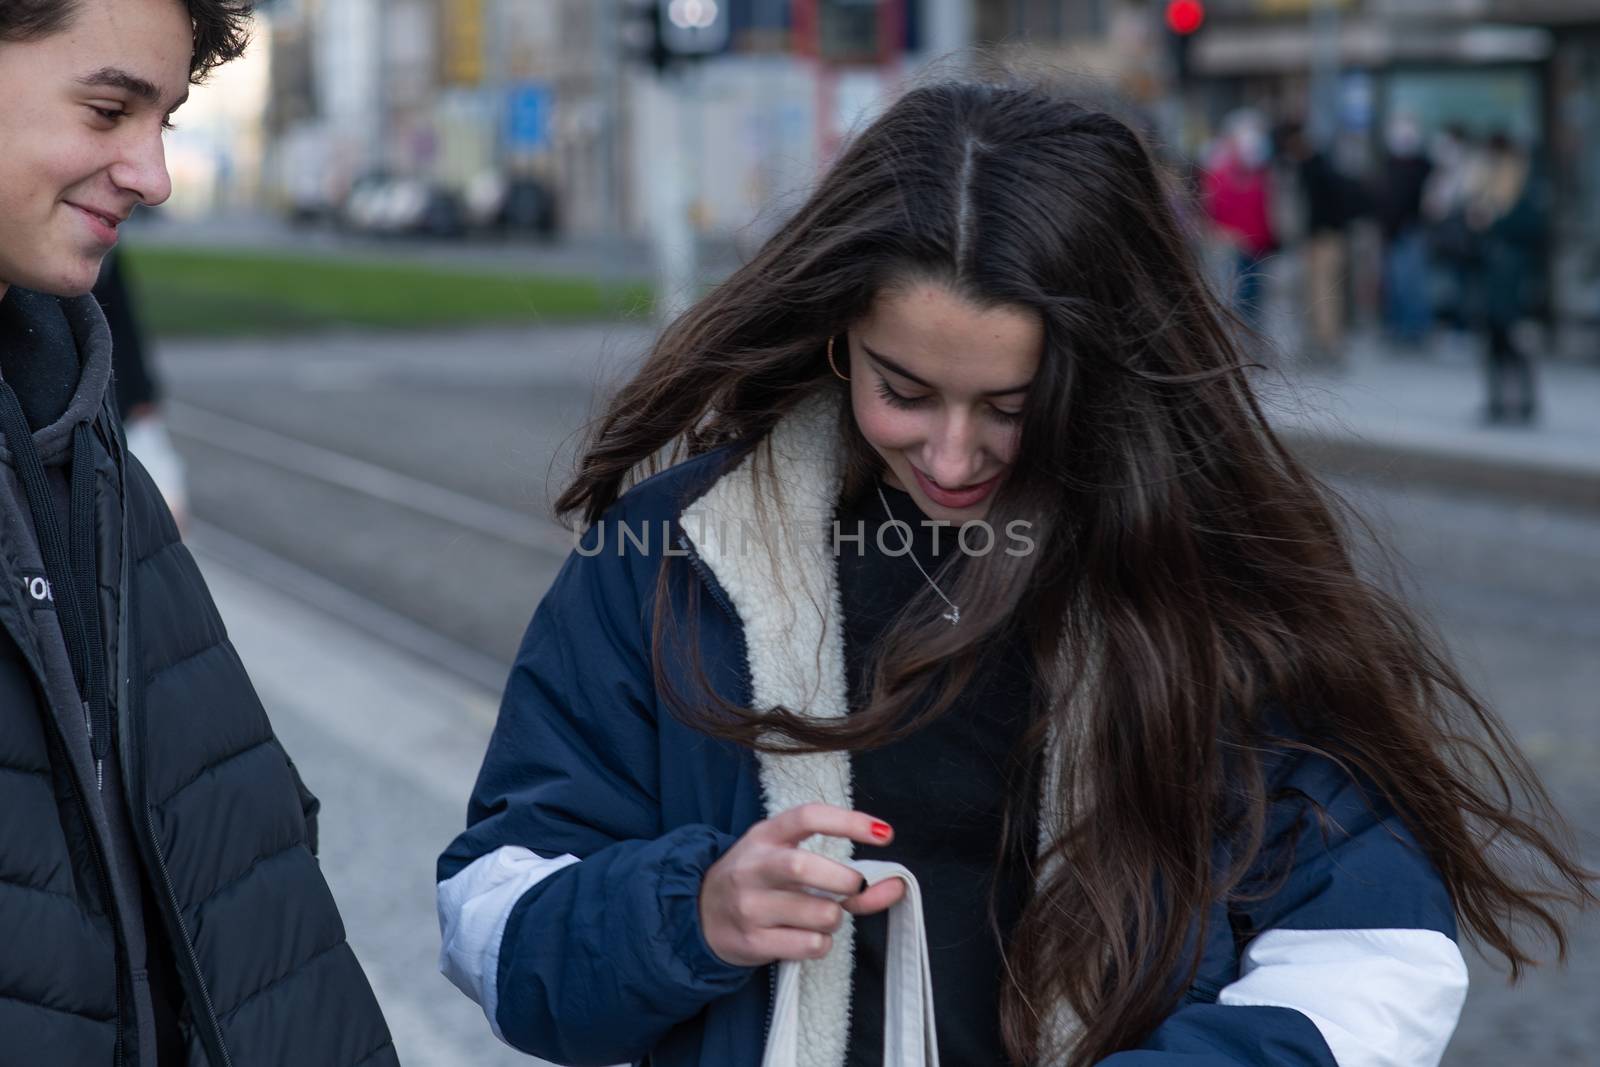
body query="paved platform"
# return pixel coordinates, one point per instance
(1418, 416)
(392, 747)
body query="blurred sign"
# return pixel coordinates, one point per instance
(528, 117)
(1297, 7)
(462, 34)
(1357, 99)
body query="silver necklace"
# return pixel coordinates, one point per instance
(954, 614)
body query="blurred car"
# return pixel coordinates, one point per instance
(389, 205)
(520, 205)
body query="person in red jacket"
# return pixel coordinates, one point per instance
(1238, 200)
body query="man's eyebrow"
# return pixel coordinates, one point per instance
(890, 364)
(115, 78)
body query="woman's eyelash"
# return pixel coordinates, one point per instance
(898, 400)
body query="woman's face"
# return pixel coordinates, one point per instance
(937, 385)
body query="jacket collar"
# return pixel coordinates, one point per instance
(86, 324)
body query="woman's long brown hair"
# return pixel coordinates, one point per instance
(1184, 560)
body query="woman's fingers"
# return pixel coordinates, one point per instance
(783, 943)
(766, 898)
(802, 911)
(773, 925)
(796, 868)
(795, 825)
(886, 894)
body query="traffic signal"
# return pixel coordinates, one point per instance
(663, 32)
(1184, 19)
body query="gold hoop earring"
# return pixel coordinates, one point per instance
(834, 365)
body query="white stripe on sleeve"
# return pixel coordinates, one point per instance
(1381, 998)
(474, 907)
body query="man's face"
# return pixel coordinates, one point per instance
(81, 116)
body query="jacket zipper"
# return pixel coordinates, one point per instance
(698, 565)
(104, 882)
(188, 943)
(133, 757)
(772, 1002)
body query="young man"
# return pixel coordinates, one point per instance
(160, 900)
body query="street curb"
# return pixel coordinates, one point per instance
(1512, 479)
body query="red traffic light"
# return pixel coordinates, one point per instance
(1185, 16)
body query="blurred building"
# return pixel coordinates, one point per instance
(468, 95)
(464, 93)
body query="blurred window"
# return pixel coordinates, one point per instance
(1042, 21)
(849, 30)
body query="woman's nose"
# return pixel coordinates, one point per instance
(954, 455)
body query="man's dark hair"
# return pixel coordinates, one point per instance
(221, 27)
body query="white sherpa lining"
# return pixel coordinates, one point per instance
(784, 587)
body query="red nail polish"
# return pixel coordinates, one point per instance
(881, 831)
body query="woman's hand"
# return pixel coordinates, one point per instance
(760, 902)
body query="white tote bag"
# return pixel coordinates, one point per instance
(908, 1034)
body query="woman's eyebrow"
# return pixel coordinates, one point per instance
(891, 365)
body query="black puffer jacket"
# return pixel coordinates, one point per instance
(222, 831)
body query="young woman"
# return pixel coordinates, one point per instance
(1180, 786)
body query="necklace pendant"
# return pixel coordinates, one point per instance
(954, 614)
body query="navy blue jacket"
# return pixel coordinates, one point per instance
(569, 907)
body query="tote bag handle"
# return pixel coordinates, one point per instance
(909, 1039)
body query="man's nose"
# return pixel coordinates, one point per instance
(143, 170)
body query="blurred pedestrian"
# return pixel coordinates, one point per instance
(1505, 215)
(160, 899)
(1237, 197)
(1452, 245)
(1154, 746)
(1408, 313)
(138, 389)
(1327, 199)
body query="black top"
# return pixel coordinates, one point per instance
(944, 791)
(1401, 193)
(1330, 198)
